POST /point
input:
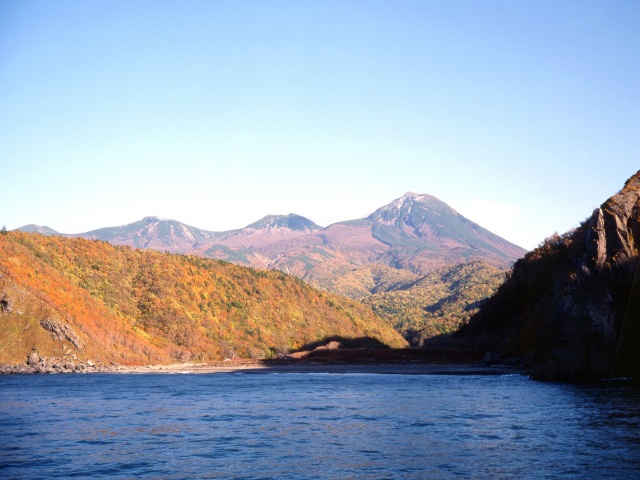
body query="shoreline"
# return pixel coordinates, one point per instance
(319, 368)
(332, 361)
(253, 367)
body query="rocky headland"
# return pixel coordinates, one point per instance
(570, 309)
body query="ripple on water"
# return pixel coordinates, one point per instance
(315, 426)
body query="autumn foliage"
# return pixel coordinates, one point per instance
(438, 303)
(141, 306)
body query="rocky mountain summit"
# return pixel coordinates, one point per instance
(571, 308)
(292, 222)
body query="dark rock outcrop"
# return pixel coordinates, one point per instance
(6, 304)
(570, 309)
(62, 331)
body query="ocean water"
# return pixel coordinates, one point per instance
(316, 426)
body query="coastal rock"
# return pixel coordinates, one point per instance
(570, 309)
(33, 359)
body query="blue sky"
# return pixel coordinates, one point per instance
(522, 115)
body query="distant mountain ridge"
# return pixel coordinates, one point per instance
(415, 232)
(43, 230)
(154, 233)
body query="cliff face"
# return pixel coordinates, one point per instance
(570, 309)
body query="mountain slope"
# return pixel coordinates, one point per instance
(571, 308)
(153, 233)
(439, 302)
(135, 306)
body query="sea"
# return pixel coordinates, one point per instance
(316, 426)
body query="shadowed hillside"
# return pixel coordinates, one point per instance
(571, 308)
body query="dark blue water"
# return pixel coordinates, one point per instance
(315, 426)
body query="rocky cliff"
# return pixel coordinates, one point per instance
(570, 309)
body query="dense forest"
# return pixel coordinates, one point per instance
(140, 306)
(438, 303)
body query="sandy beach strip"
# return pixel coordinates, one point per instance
(257, 368)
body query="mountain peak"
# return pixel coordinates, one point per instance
(291, 221)
(414, 197)
(402, 207)
(43, 230)
(155, 219)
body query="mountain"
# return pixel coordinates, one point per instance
(31, 228)
(153, 233)
(397, 244)
(423, 232)
(262, 243)
(291, 222)
(416, 232)
(570, 309)
(73, 296)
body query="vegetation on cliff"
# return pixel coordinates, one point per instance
(135, 306)
(570, 309)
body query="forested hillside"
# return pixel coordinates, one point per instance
(438, 303)
(137, 306)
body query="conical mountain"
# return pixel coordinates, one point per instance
(438, 233)
(419, 232)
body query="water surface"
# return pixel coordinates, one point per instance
(315, 426)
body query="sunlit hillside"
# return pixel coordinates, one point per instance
(132, 306)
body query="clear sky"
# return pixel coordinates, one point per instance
(522, 115)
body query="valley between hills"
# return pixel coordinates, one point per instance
(413, 273)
